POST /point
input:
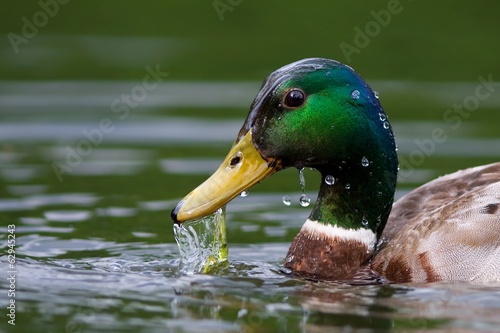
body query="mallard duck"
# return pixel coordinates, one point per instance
(319, 113)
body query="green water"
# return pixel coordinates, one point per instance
(88, 177)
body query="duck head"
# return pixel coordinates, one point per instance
(314, 113)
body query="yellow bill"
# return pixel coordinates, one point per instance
(242, 168)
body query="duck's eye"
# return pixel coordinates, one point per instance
(294, 98)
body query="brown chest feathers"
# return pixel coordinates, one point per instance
(317, 252)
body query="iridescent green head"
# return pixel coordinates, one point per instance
(319, 113)
(313, 113)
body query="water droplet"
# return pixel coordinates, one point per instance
(382, 116)
(386, 125)
(397, 148)
(365, 162)
(304, 200)
(364, 222)
(376, 94)
(347, 186)
(287, 200)
(329, 180)
(355, 94)
(302, 180)
(244, 194)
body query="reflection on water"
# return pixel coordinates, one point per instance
(40, 200)
(95, 250)
(152, 131)
(67, 215)
(189, 165)
(36, 96)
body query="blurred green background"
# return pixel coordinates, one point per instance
(427, 41)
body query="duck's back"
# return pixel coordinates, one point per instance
(447, 229)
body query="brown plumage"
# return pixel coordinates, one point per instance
(447, 229)
(325, 257)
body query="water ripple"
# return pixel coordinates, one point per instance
(79, 199)
(45, 246)
(116, 211)
(67, 215)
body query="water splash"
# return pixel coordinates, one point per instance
(202, 243)
(302, 180)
